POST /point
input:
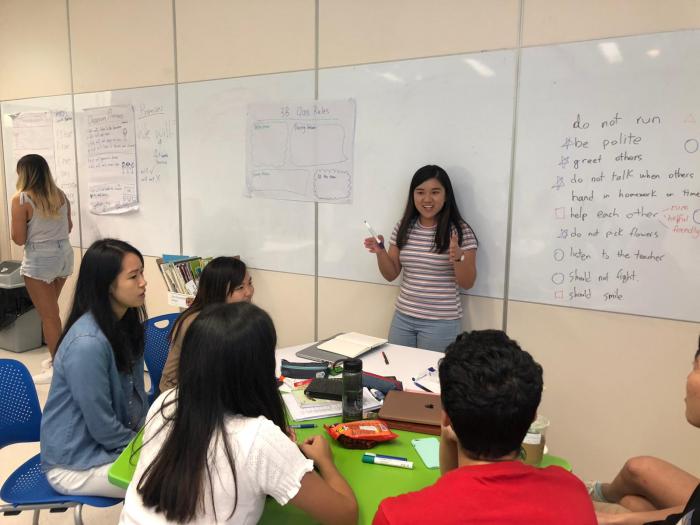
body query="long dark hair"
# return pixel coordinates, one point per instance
(227, 368)
(99, 268)
(447, 219)
(219, 278)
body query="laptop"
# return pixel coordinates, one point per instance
(412, 411)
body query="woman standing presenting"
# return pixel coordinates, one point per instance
(436, 249)
(41, 222)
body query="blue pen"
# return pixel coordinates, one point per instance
(422, 387)
(385, 456)
(305, 425)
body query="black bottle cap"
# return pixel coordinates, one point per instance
(352, 365)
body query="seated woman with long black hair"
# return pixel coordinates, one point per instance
(224, 280)
(97, 400)
(216, 445)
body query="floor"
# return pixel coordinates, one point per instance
(13, 456)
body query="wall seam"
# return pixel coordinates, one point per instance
(75, 132)
(511, 182)
(316, 54)
(177, 127)
(5, 248)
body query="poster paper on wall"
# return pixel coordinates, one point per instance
(301, 150)
(111, 159)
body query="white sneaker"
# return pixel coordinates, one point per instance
(46, 363)
(44, 378)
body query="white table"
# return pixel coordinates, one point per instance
(405, 362)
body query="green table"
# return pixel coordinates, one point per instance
(371, 483)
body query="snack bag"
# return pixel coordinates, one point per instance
(361, 434)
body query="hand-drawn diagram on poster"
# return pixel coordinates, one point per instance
(301, 150)
(49, 134)
(32, 132)
(111, 159)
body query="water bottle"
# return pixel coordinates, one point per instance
(352, 390)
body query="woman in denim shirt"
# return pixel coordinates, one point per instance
(97, 400)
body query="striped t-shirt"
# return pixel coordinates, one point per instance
(429, 287)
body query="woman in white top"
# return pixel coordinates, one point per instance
(218, 444)
(41, 221)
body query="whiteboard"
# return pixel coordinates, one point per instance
(607, 179)
(454, 111)
(56, 143)
(153, 227)
(217, 217)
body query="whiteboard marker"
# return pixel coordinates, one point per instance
(378, 460)
(374, 234)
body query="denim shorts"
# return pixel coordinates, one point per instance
(48, 260)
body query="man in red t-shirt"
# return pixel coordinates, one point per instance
(491, 389)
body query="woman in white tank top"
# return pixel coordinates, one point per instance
(41, 222)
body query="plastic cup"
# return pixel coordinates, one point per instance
(532, 448)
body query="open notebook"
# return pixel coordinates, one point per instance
(351, 344)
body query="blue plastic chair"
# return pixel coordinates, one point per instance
(156, 348)
(20, 420)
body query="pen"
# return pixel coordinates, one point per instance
(374, 234)
(386, 359)
(385, 456)
(429, 371)
(305, 425)
(377, 460)
(422, 387)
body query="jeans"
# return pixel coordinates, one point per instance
(429, 334)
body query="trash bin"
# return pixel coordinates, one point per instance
(20, 324)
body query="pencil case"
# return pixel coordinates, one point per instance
(325, 389)
(381, 383)
(304, 370)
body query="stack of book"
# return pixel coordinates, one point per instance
(181, 276)
(302, 408)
